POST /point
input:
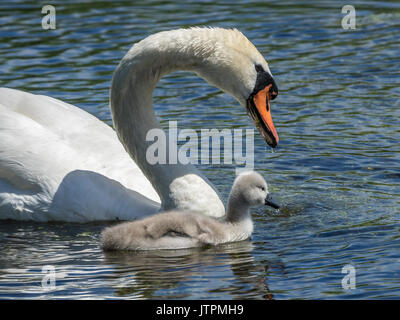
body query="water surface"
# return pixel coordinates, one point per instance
(336, 171)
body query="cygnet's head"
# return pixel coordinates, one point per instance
(251, 189)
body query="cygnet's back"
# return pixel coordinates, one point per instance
(181, 229)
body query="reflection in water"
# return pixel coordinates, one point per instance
(152, 274)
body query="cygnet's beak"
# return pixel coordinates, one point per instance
(269, 202)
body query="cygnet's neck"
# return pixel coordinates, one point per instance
(237, 210)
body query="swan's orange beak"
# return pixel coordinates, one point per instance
(262, 103)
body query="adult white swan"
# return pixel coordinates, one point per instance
(58, 162)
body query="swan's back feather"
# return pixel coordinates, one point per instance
(46, 146)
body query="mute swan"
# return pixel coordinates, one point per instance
(181, 229)
(58, 162)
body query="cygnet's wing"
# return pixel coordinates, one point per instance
(173, 224)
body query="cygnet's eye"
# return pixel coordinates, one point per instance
(262, 188)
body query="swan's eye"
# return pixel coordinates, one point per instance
(262, 188)
(259, 68)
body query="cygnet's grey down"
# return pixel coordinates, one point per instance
(183, 229)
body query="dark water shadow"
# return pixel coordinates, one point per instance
(164, 273)
(85, 195)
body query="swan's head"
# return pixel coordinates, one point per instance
(225, 58)
(232, 63)
(251, 189)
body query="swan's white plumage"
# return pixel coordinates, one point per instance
(57, 162)
(46, 143)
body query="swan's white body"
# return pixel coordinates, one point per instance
(57, 162)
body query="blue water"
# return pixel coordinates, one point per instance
(336, 171)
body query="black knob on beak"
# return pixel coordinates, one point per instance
(273, 90)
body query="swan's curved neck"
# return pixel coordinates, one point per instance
(179, 186)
